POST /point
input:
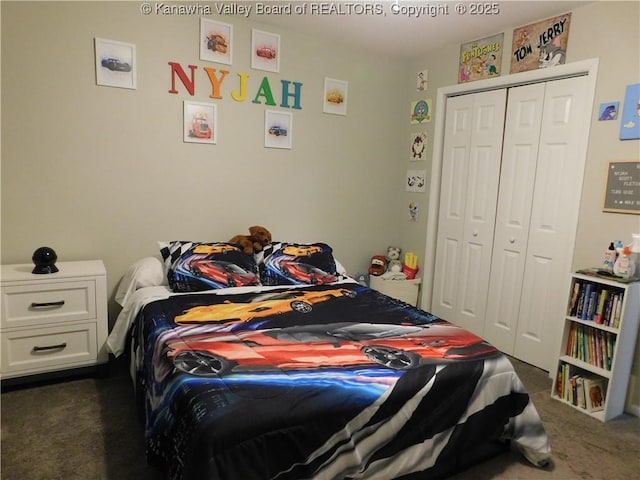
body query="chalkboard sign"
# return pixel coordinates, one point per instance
(623, 188)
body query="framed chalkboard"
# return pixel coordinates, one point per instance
(623, 187)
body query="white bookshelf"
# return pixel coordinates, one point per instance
(598, 347)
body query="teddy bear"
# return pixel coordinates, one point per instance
(393, 260)
(254, 242)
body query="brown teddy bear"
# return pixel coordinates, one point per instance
(254, 242)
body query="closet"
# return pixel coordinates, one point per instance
(511, 181)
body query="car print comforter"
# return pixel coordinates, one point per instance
(321, 382)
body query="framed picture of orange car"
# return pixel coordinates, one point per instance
(216, 41)
(335, 96)
(265, 51)
(200, 123)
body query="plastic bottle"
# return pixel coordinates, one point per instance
(610, 256)
(624, 267)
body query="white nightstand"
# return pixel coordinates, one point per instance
(404, 290)
(52, 322)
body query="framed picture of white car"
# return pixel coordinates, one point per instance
(115, 63)
(265, 51)
(200, 123)
(278, 129)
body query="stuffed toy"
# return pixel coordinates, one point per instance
(378, 265)
(393, 260)
(254, 242)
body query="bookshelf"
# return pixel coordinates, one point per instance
(598, 342)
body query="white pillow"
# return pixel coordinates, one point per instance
(147, 272)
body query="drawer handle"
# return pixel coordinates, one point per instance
(47, 304)
(50, 347)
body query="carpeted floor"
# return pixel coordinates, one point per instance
(87, 428)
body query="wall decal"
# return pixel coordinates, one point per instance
(265, 51)
(422, 82)
(200, 123)
(115, 63)
(416, 180)
(216, 41)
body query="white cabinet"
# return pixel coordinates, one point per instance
(403, 290)
(509, 203)
(598, 342)
(52, 322)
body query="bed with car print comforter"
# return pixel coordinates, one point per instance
(323, 382)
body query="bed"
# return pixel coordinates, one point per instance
(258, 368)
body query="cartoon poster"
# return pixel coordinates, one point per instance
(481, 59)
(630, 124)
(416, 180)
(540, 45)
(421, 111)
(418, 146)
(422, 82)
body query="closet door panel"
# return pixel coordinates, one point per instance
(517, 176)
(554, 217)
(452, 204)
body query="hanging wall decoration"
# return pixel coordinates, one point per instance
(416, 180)
(481, 59)
(630, 124)
(418, 146)
(608, 111)
(265, 51)
(422, 82)
(421, 111)
(335, 96)
(200, 123)
(278, 129)
(622, 194)
(540, 45)
(115, 63)
(413, 211)
(216, 41)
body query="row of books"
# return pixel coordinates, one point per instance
(596, 302)
(591, 345)
(584, 391)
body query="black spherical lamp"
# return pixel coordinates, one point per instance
(44, 259)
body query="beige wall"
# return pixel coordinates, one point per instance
(99, 172)
(618, 67)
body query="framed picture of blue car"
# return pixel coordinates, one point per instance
(278, 129)
(115, 63)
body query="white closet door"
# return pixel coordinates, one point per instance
(517, 176)
(469, 189)
(554, 219)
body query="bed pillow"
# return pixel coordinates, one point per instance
(146, 272)
(197, 266)
(298, 264)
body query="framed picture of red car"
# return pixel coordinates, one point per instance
(265, 51)
(115, 63)
(200, 123)
(216, 41)
(278, 129)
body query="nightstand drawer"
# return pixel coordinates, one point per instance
(46, 348)
(45, 303)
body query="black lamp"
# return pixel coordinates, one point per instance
(44, 259)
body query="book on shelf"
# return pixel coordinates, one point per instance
(590, 345)
(594, 393)
(595, 302)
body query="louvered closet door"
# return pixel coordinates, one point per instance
(554, 219)
(469, 187)
(517, 177)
